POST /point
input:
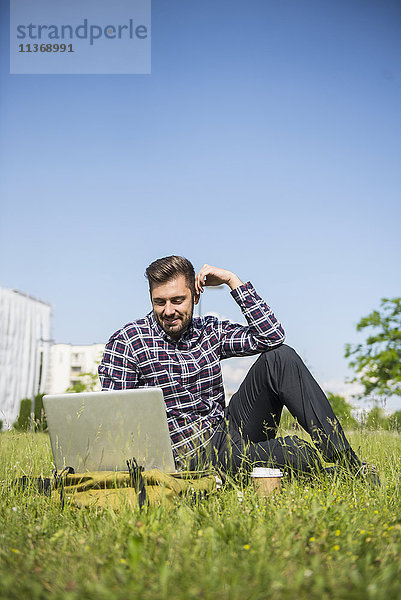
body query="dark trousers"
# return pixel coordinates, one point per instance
(247, 437)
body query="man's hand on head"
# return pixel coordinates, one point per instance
(212, 276)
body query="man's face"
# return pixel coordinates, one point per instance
(173, 306)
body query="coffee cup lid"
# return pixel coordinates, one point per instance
(265, 472)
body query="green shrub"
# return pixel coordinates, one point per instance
(39, 412)
(395, 420)
(23, 421)
(377, 419)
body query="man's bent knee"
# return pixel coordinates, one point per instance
(283, 351)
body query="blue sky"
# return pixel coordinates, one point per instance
(266, 140)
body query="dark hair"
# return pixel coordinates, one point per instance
(170, 267)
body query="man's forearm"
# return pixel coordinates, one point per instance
(234, 282)
(213, 276)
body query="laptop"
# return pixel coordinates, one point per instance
(100, 431)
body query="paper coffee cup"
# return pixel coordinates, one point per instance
(266, 480)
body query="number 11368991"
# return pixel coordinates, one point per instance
(46, 48)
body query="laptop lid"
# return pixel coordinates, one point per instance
(100, 431)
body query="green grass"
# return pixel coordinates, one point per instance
(323, 539)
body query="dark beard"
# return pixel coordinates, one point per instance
(177, 333)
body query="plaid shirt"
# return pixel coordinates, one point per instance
(141, 354)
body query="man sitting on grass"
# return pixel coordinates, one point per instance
(171, 349)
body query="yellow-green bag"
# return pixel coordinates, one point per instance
(133, 488)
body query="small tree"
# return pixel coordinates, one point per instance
(88, 382)
(23, 422)
(377, 419)
(395, 420)
(377, 361)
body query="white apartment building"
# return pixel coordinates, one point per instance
(25, 325)
(67, 362)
